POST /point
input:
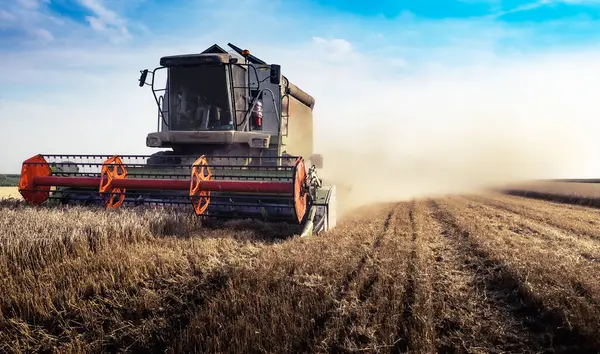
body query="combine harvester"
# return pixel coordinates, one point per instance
(238, 132)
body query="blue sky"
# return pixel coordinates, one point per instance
(506, 86)
(27, 23)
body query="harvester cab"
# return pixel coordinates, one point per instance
(218, 103)
(234, 134)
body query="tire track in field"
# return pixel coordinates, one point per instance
(535, 325)
(527, 224)
(325, 322)
(578, 221)
(415, 327)
(406, 322)
(569, 282)
(468, 313)
(387, 305)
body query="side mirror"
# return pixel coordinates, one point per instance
(143, 77)
(317, 160)
(233, 60)
(275, 74)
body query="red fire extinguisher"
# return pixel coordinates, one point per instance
(257, 114)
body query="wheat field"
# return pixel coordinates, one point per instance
(9, 192)
(487, 273)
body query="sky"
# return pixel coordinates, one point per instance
(478, 90)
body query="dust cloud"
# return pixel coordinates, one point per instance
(463, 163)
(447, 133)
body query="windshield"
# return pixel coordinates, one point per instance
(199, 99)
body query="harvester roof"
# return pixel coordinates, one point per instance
(195, 59)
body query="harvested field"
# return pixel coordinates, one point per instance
(465, 274)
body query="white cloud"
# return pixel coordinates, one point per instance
(106, 20)
(540, 3)
(43, 34)
(7, 16)
(34, 20)
(29, 22)
(526, 7)
(335, 50)
(32, 4)
(580, 2)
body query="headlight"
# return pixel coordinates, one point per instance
(260, 142)
(152, 142)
